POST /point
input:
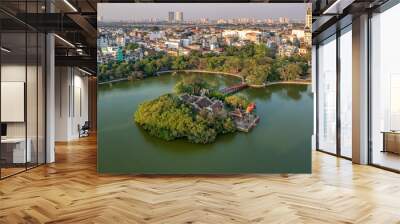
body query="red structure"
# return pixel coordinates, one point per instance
(250, 107)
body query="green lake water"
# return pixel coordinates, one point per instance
(280, 143)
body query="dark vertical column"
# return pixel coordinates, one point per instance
(317, 97)
(26, 86)
(369, 126)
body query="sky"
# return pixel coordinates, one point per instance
(194, 11)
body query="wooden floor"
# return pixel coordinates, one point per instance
(70, 191)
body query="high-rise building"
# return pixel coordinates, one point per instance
(308, 25)
(309, 18)
(178, 17)
(283, 20)
(171, 17)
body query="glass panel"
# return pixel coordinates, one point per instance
(32, 89)
(385, 92)
(346, 93)
(327, 95)
(31, 98)
(23, 90)
(14, 152)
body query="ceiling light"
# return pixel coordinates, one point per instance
(70, 5)
(5, 50)
(86, 72)
(64, 40)
(337, 7)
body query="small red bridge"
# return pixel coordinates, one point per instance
(234, 88)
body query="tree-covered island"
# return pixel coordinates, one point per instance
(196, 111)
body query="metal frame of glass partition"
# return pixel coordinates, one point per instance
(42, 117)
(337, 31)
(382, 8)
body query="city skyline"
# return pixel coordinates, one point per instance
(195, 11)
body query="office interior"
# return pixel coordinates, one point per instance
(48, 82)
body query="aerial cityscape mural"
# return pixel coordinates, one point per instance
(210, 88)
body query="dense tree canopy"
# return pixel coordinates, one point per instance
(237, 101)
(290, 72)
(168, 118)
(131, 46)
(193, 85)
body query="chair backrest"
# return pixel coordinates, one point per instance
(86, 125)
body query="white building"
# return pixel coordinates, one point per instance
(172, 44)
(299, 33)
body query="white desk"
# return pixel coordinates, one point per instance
(19, 155)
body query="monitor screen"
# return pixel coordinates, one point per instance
(3, 129)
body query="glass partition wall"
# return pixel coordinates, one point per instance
(22, 77)
(385, 90)
(334, 104)
(327, 95)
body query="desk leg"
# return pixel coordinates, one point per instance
(384, 142)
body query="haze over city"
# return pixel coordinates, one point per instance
(108, 12)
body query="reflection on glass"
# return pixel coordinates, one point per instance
(346, 93)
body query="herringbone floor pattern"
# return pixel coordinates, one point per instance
(70, 191)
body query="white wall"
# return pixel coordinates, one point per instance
(17, 73)
(11, 73)
(71, 102)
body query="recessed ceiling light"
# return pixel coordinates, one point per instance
(86, 72)
(5, 50)
(70, 5)
(64, 40)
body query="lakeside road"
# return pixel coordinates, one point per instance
(301, 82)
(112, 81)
(185, 70)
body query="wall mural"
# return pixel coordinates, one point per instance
(204, 88)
